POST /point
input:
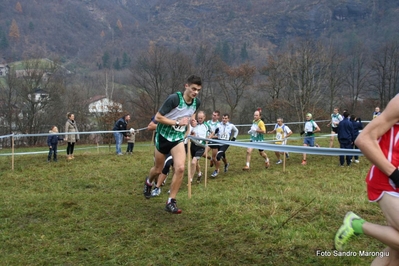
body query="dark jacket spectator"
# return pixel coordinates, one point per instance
(346, 137)
(121, 124)
(346, 132)
(53, 139)
(357, 125)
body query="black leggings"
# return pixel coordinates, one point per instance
(70, 147)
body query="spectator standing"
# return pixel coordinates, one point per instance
(346, 138)
(120, 124)
(376, 112)
(71, 139)
(131, 140)
(52, 143)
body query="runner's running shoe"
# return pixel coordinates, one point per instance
(226, 167)
(199, 178)
(156, 192)
(345, 232)
(147, 189)
(215, 173)
(267, 163)
(172, 207)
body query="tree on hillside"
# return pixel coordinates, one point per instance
(306, 67)
(276, 86)
(106, 60)
(18, 7)
(156, 74)
(206, 67)
(334, 77)
(14, 31)
(244, 53)
(8, 102)
(125, 60)
(3, 39)
(356, 75)
(234, 82)
(150, 80)
(385, 71)
(117, 64)
(179, 68)
(39, 88)
(119, 24)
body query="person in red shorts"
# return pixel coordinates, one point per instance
(379, 142)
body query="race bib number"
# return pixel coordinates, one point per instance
(224, 136)
(179, 128)
(279, 136)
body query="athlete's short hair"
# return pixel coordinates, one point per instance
(194, 80)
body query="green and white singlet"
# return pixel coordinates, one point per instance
(176, 133)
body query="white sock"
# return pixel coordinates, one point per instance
(248, 164)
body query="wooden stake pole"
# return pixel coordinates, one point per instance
(12, 153)
(284, 162)
(189, 168)
(206, 163)
(98, 147)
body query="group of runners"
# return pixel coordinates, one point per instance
(378, 142)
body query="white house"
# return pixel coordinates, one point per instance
(4, 70)
(101, 104)
(39, 95)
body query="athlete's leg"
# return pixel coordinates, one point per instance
(159, 160)
(264, 155)
(332, 139)
(249, 151)
(387, 234)
(179, 159)
(193, 168)
(277, 155)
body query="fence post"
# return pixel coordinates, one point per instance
(12, 152)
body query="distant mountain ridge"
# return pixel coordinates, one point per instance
(81, 31)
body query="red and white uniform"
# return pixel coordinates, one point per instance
(377, 182)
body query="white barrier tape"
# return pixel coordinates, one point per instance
(288, 123)
(6, 136)
(144, 128)
(63, 150)
(286, 148)
(70, 133)
(273, 140)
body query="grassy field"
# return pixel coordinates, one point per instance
(91, 211)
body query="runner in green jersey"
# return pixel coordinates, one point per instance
(173, 118)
